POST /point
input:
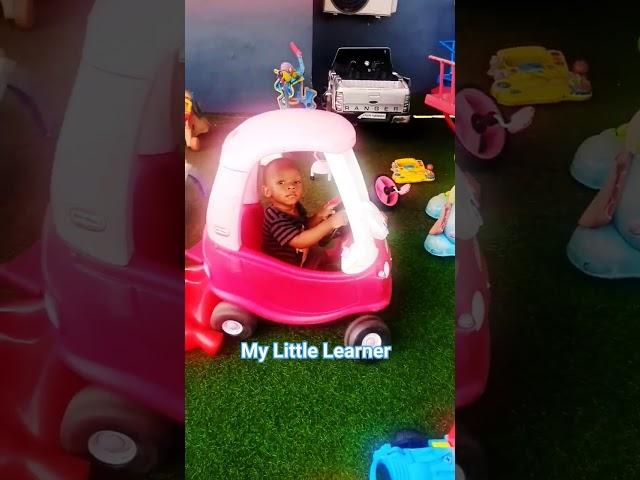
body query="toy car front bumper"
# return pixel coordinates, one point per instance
(379, 117)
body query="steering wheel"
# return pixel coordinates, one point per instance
(337, 232)
(340, 232)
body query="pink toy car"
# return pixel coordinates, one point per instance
(236, 283)
(91, 313)
(480, 126)
(473, 347)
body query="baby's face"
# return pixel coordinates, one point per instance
(283, 184)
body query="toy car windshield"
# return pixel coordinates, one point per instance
(355, 63)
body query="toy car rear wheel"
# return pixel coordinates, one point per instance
(113, 432)
(233, 321)
(367, 330)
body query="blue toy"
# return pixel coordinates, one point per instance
(595, 157)
(290, 84)
(606, 243)
(441, 240)
(450, 45)
(430, 460)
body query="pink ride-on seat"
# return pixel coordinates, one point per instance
(252, 218)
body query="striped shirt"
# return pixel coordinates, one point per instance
(279, 229)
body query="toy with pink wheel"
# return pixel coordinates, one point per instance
(480, 126)
(387, 192)
(405, 171)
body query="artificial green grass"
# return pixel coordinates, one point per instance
(321, 420)
(563, 393)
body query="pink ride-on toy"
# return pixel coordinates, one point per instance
(235, 283)
(388, 192)
(94, 307)
(481, 128)
(473, 339)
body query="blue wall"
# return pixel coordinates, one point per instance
(412, 33)
(232, 47)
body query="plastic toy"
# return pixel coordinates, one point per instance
(320, 167)
(236, 283)
(606, 243)
(290, 84)
(22, 12)
(481, 128)
(405, 171)
(363, 86)
(196, 337)
(473, 352)
(411, 170)
(596, 156)
(110, 384)
(447, 78)
(534, 75)
(413, 457)
(195, 123)
(442, 97)
(387, 192)
(441, 240)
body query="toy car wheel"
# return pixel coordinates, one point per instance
(410, 439)
(385, 191)
(367, 330)
(481, 137)
(233, 321)
(114, 432)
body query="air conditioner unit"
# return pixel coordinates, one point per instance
(377, 8)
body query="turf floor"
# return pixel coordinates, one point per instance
(563, 395)
(321, 420)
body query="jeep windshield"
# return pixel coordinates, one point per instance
(363, 64)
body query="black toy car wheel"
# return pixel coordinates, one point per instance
(367, 330)
(233, 321)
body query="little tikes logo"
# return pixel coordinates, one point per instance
(87, 220)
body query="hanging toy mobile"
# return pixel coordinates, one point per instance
(290, 84)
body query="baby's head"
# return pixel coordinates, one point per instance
(282, 182)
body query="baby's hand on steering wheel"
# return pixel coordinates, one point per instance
(329, 208)
(339, 219)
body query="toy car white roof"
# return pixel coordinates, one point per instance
(291, 130)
